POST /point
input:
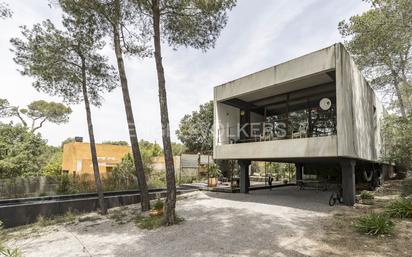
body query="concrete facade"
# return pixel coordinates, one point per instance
(330, 71)
(359, 112)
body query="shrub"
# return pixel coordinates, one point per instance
(6, 252)
(214, 171)
(158, 205)
(401, 208)
(406, 187)
(366, 195)
(374, 224)
(151, 222)
(66, 185)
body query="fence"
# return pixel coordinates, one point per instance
(27, 187)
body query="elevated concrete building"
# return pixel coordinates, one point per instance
(317, 108)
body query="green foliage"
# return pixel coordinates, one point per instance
(406, 187)
(367, 195)
(178, 148)
(401, 208)
(5, 11)
(66, 185)
(374, 224)
(68, 217)
(153, 222)
(57, 59)
(115, 143)
(124, 173)
(4, 251)
(380, 41)
(38, 112)
(214, 171)
(195, 130)
(21, 151)
(68, 140)
(158, 205)
(5, 108)
(397, 134)
(53, 166)
(150, 149)
(195, 24)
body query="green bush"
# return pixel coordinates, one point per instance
(214, 171)
(158, 205)
(6, 252)
(66, 185)
(406, 187)
(401, 208)
(149, 222)
(366, 195)
(374, 224)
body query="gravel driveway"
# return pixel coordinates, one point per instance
(281, 222)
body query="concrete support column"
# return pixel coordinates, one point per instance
(244, 176)
(348, 181)
(299, 171)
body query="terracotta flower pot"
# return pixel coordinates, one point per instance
(154, 213)
(212, 182)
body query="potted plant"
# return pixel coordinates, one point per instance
(214, 173)
(157, 208)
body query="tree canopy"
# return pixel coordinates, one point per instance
(5, 11)
(55, 59)
(38, 112)
(21, 151)
(109, 142)
(195, 130)
(380, 41)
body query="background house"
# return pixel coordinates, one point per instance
(77, 158)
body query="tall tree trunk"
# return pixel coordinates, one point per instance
(93, 151)
(400, 97)
(137, 157)
(170, 204)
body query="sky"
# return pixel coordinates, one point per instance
(259, 34)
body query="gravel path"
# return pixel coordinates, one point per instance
(281, 222)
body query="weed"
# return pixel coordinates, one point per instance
(366, 195)
(68, 217)
(374, 224)
(401, 208)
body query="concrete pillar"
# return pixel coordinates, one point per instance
(348, 181)
(299, 171)
(244, 176)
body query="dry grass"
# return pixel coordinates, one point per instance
(341, 238)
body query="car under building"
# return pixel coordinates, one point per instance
(315, 110)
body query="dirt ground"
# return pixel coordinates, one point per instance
(281, 222)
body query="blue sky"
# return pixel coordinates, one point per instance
(259, 34)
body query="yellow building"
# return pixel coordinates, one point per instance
(77, 157)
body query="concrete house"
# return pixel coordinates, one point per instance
(315, 109)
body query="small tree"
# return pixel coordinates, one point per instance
(380, 40)
(195, 130)
(117, 19)
(180, 23)
(67, 64)
(21, 152)
(38, 112)
(397, 134)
